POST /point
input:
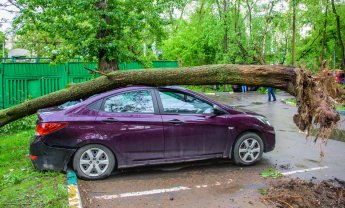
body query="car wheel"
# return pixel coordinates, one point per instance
(248, 149)
(93, 162)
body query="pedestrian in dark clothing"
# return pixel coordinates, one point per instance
(271, 94)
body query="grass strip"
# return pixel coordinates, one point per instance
(20, 184)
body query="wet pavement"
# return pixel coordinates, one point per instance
(221, 183)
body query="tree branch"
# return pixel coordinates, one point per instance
(95, 71)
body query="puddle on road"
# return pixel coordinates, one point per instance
(300, 166)
(283, 130)
(228, 189)
(286, 166)
(257, 103)
(313, 161)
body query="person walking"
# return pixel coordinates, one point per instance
(271, 94)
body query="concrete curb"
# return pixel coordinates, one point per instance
(73, 191)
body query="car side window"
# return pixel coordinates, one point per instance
(176, 102)
(130, 102)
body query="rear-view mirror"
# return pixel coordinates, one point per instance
(218, 110)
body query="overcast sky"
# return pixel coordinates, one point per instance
(6, 17)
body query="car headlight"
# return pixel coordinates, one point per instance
(263, 120)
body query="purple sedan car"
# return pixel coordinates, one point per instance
(141, 125)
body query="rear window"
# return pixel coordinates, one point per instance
(69, 104)
(72, 103)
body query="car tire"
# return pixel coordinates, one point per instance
(93, 162)
(248, 149)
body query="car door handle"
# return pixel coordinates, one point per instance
(110, 120)
(175, 122)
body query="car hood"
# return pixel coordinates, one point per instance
(245, 111)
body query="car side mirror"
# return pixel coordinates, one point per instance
(218, 110)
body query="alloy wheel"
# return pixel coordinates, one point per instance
(94, 162)
(249, 150)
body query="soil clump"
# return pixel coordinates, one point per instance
(297, 193)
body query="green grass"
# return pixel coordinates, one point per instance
(270, 172)
(20, 184)
(263, 90)
(292, 101)
(25, 123)
(208, 88)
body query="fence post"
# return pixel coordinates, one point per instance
(66, 74)
(2, 87)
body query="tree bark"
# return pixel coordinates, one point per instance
(249, 7)
(225, 20)
(277, 76)
(324, 36)
(105, 64)
(262, 46)
(293, 44)
(341, 44)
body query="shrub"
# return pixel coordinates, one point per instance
(25, 123)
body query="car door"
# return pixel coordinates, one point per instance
(190, 127)
(130, 121)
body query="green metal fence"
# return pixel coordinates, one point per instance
(22, 81)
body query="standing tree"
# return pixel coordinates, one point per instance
(324, 35)
(108, 31)
(293, 44)
(340, 41)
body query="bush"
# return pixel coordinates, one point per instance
(25, 123)
(262, 90)
(208, 88)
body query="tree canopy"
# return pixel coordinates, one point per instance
(193, 32)
(257, 32)
(108, 31)
(2, 39)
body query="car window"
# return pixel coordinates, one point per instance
(69, 104)
(130, 102)
(175, 102)
(72, 103)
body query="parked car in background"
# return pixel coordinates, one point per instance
(339, 76)
(141, 125)
(238, 88)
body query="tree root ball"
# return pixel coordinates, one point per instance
(317, 96)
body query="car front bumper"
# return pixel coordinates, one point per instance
(44, 157)
(270, 140)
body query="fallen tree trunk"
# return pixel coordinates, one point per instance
(296, 81)
(281, 77)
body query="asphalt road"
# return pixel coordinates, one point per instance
(221, 183)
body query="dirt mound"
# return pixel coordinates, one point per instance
(297, 193)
